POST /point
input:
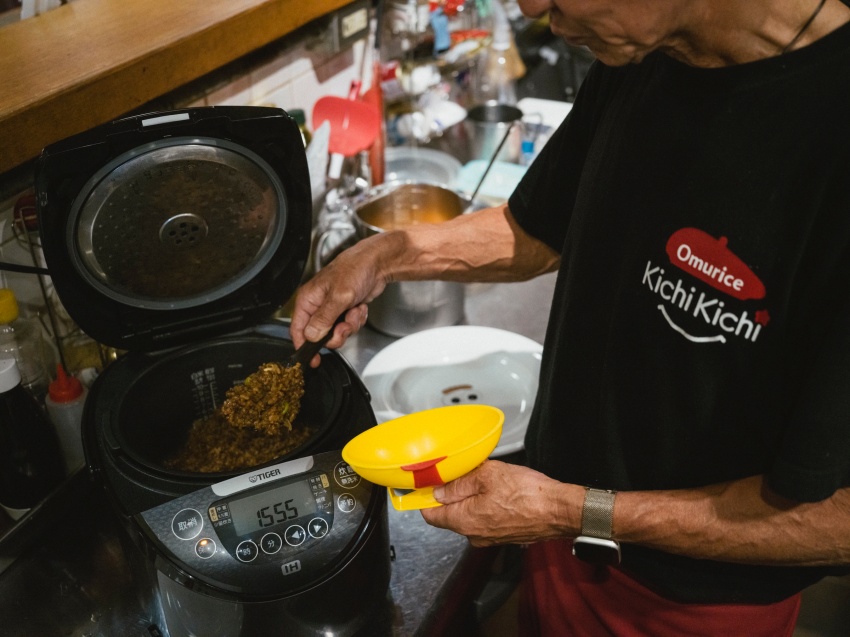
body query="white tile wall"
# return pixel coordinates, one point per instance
(237, 93)
(297, 77)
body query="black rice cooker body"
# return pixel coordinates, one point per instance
(141, 406)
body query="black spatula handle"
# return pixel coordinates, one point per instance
(309, 349)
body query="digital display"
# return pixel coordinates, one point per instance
(272, 508)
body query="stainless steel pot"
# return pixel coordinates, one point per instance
(487, 124)
(405, 307)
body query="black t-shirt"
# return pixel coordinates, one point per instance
(700, 329)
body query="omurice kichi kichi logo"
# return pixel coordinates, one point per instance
(700, 315)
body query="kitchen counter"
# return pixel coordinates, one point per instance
(68, 573)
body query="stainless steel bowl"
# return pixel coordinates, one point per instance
(405, 307)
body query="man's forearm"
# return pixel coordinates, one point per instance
(486, 245)
(740, 521)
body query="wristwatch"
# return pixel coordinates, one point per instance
(595, 545)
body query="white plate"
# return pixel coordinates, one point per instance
(461, 364)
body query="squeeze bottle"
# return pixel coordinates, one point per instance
(65, 399)
(22, 339)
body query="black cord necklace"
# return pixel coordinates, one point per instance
(803, 29)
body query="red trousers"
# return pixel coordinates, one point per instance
(561, 596)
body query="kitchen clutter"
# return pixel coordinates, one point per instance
(40, 404)
(55, 360)
(440, 99)
(243, 542)
(58, 397)
(447, 76)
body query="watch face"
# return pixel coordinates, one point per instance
(596, 550)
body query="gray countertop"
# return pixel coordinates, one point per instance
(72, 579)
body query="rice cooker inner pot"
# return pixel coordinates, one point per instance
(161, 402)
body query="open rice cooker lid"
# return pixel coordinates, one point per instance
(163, 228)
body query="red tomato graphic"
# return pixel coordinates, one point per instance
(711, 261)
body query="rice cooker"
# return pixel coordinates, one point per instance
(174, 237)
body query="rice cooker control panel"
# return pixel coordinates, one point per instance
(269, 530)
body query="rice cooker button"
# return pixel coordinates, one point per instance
(187, 524)
(246, 551)
(318, 527)
(295, 535)
(205, 548)
(346, 503)
(345, 475)
(271, 543)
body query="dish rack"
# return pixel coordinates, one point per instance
(31, 282)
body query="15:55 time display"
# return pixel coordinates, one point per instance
(263, 508)
(277, 513)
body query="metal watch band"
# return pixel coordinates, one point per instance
(597, 514)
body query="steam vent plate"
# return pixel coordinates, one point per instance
(177, 223)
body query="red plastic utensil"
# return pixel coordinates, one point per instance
(354, 125)
(375, 96)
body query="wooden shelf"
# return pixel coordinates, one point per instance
(89, 61)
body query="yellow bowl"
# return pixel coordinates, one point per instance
(425, 449)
